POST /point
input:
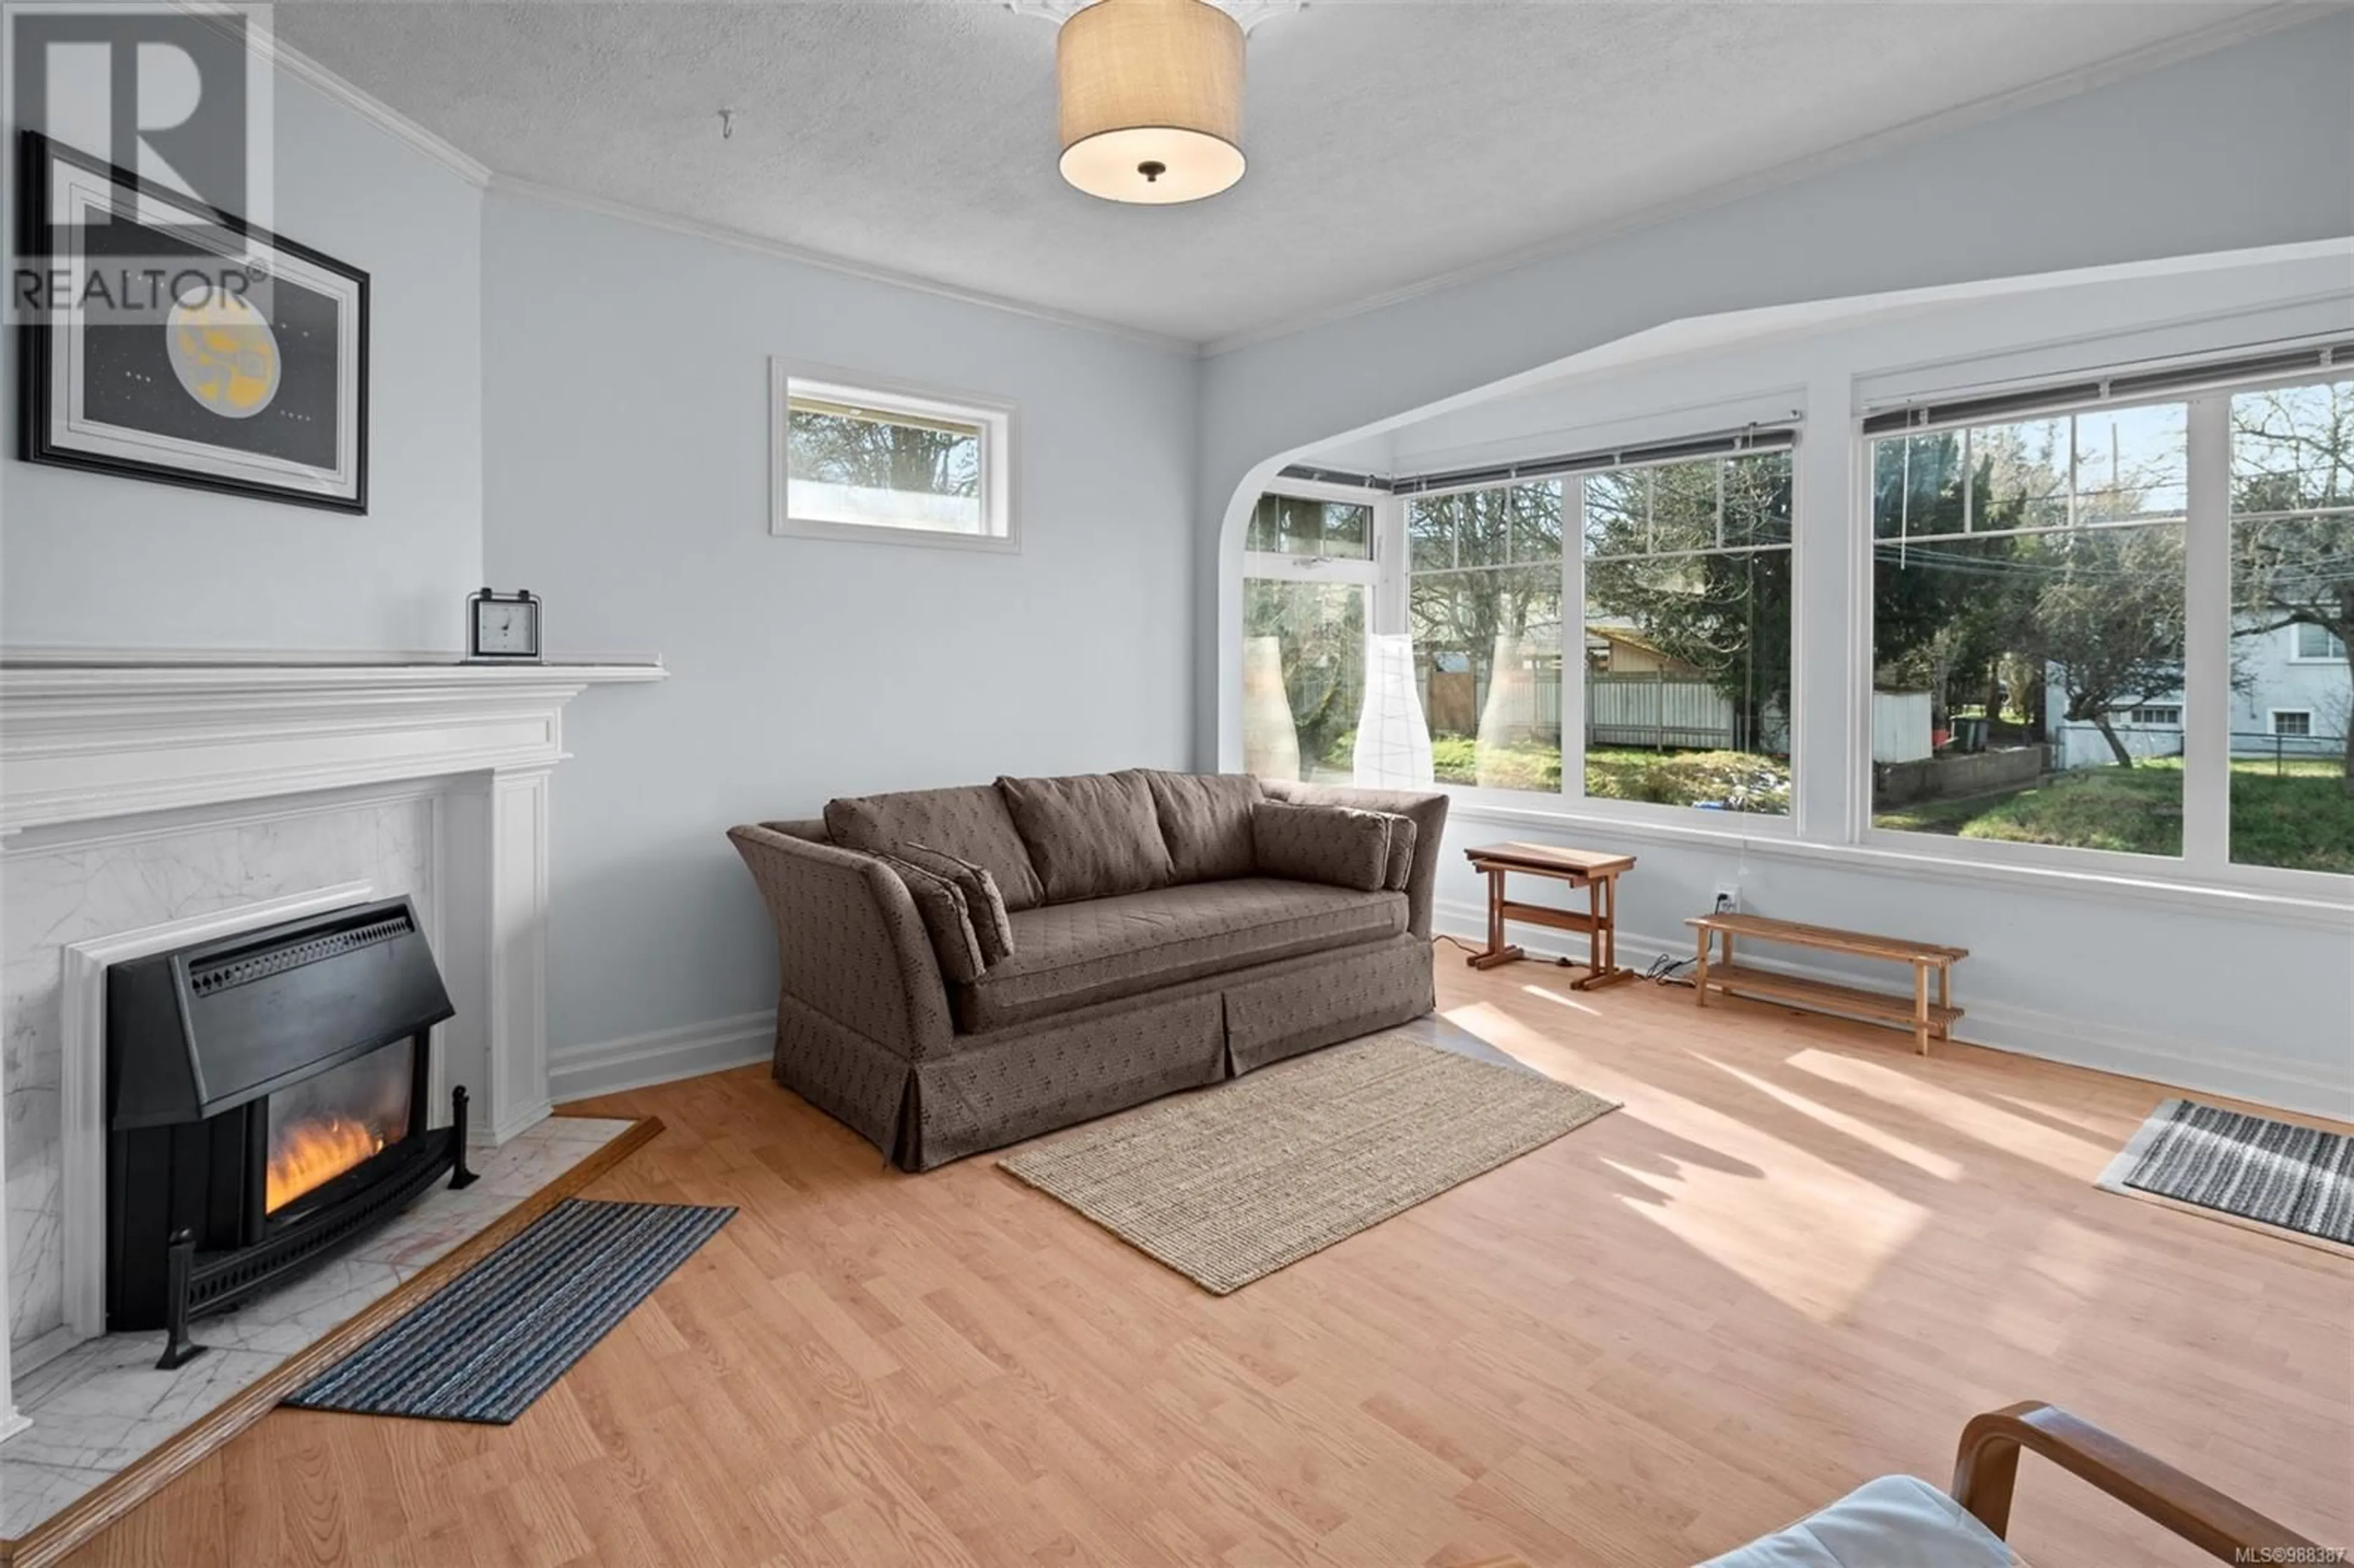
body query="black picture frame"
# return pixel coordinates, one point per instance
(46, 432)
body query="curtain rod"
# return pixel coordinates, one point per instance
(2090, 391)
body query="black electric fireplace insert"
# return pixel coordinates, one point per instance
(266, 1105)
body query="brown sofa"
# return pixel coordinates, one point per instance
(1166, 931)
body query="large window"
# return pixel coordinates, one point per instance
(890, 465)
(1308, 601)
(2292, 502)
(1486, 593)
(2028, 629)
(1681, 650)
(2038, 675)
(1688, 633)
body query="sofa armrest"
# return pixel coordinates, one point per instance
(849, 941)
(1427, 811)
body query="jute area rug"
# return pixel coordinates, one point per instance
(1228, 1184)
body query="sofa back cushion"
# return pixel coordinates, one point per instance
(1092, 835)
(1206, 820)
(1331, 845)
(970, 823)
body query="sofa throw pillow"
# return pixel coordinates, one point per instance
(1402, 835)
(1093, 835)
(970, 823)
(1206, 820)
(984, 905)
(1333, 844)
(947, 920)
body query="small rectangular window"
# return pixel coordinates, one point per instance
(889, 464)
(2317, 644)
(2156, 719)
(2292, 721)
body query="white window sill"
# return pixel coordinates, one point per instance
(2329, 906)
(874, 534)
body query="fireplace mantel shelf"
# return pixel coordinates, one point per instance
(79, 741)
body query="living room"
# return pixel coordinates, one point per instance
(866, 709)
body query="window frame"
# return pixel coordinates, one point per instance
(996, 417)
(2297, 631)
(1572, 801)
(2273, 717)
(2205, 862)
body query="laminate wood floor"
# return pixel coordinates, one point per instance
(1800, 1257)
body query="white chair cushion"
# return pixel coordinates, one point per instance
(1896, 1521)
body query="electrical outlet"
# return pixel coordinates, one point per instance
(1728, 898)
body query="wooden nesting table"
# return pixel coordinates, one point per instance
(1925, 1017)
(1595, 871)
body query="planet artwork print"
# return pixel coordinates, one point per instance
(253, 374)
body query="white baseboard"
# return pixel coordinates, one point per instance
(2078, 1041)
(661, 1057)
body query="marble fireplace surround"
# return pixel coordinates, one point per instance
(142, 805)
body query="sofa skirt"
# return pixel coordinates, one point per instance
(993, 1089)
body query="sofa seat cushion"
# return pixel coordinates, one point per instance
(970, 823)
(1069, 956)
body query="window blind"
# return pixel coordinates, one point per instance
(2124, 386)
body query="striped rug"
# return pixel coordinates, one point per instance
(495, 1339)
(2276, 1174)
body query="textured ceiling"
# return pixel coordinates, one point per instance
(1389, 143)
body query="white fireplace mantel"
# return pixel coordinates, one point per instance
(102, 752)
(78, 742)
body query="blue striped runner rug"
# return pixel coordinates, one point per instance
(495, 1339)
(2296, 1180)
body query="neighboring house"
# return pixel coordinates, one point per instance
(2290, 697)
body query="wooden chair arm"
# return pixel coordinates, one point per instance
(1988, 1466)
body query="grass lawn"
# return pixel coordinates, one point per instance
(1730, 781)
(2296, 814)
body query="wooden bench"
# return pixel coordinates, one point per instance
(1924, 1015)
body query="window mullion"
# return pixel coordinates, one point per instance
(1573, 637)
(2207, 640)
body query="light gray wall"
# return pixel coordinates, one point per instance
(2243, 147)
(91, 561)
(626, 425)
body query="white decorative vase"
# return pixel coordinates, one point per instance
(1270, 737)
(1393, 738)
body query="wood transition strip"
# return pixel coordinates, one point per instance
(83, 1518)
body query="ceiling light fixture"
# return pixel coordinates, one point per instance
(1151, 100)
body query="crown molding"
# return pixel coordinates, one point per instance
(2233, 29)
(293, 64)
(719, 234)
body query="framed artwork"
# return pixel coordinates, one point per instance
(184, 345)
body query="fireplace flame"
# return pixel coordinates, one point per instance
(316, 1151)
